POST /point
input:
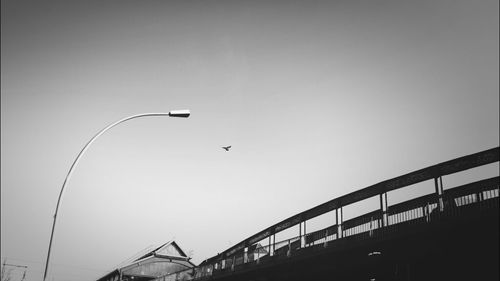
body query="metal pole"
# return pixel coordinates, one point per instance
(68, 176)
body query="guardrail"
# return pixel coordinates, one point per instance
(482, 194)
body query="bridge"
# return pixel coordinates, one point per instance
(449, 234)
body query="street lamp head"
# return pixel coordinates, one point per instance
(179, 113)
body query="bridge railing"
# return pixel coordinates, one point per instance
(424, 209)
(322, 236)
(364, 223)
(413, 209)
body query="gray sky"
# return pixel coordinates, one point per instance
(317, 98)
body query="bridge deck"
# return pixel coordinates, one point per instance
(452, 233)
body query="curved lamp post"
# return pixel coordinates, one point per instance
(174, 113)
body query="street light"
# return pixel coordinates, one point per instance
(173, 113)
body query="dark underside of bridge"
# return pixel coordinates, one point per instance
(448, 247)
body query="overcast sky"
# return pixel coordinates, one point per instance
(317, 98)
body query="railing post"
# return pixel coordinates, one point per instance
(303, 240)
(479, 196)
(339, 221)
(427, 212)
(289, 252)
(245, 255)
(274, 243)
(300, 235)
(383, 208)
(270, 247)
(371, 226)
(438, 184)
(386, 215)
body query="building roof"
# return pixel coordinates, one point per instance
(169, 250)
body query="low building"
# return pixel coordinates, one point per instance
(166, 259)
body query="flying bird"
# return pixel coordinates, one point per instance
(226, 148)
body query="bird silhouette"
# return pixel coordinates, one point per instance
(226, 148)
